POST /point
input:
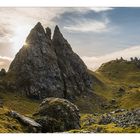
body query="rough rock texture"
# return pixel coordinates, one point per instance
(32, 125)
(128, 118)
(124, 118)
(2, 72)
(49, 68)
(73, 70)
(105, 119)
(1, 102)
(58, 115)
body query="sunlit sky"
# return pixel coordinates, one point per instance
(97, 35)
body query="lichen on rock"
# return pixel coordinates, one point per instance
(58, 115)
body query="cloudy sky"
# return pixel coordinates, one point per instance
(96, 34)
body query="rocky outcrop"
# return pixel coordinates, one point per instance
(73, 70)
(58, 115)
(1, 103)
(122, 118)
(128, 119)
(105, 119)
(30, 123)
(2, 72)
(46, 67)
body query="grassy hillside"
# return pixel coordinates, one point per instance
(120, 70)
(116, 85)
(120, 80)
(8, 124)
(21, 104)
(89, 123)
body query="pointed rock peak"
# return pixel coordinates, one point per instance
(57, 28)
(48, 32)
(39, 27)
(36, 33)
(57, 34)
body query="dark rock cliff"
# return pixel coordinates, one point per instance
(46, 67)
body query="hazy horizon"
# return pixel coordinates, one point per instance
(97, 35)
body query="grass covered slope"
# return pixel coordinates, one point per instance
(116, 85)
(120, 80)
(19, 103)
(121, 70)
(90, 123)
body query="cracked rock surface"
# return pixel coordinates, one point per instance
(46, 67)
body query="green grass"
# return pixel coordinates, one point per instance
(107, 81)
(95, 127)
(19, 103)
(115, 75)
(8, 124)
(120, 71)
(131, 100)
(90, 104)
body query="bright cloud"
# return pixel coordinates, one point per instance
(16, 23)
(94, 62)
(101, 9)
(6, 58)
(89, 26)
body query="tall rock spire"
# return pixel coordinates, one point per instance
(48, 32)
(36, 34)
(73, 70)
(35, 66)
(49, 68)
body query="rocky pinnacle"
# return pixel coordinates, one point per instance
(46, 67)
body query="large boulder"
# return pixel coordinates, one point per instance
(58, 115)
(46, 67)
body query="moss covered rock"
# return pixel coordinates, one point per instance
(58, 115)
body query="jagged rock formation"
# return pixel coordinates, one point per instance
(73, 70)
(122, 118)
(46, 67)
(2, 72)
(58, 115)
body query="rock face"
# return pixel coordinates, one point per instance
(1, 102)
(2, 72)
(73, 70)
(46, 67)
(58, 115)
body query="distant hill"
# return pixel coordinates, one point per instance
(121, 70)
(121, 80)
